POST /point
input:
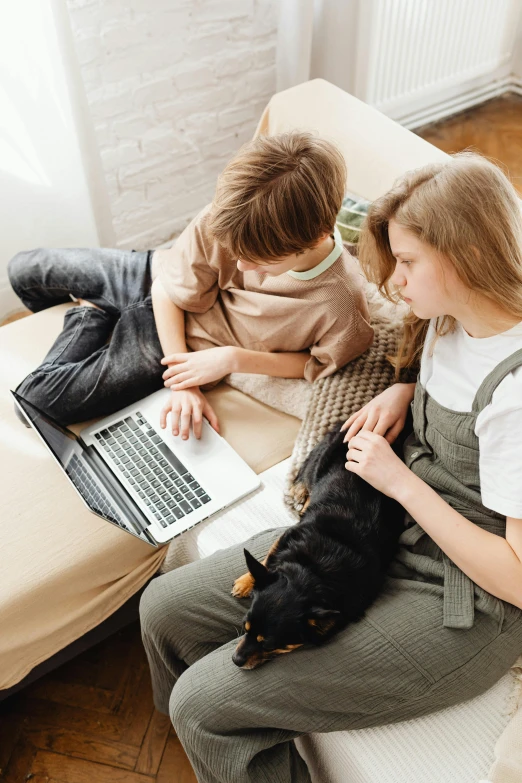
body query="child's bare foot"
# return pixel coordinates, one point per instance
(85, 303)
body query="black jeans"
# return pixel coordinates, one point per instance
(103, 359)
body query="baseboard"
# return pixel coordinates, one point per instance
(465, 100)
(516, 86)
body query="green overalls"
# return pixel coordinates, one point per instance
(431, 639)
(443, 450)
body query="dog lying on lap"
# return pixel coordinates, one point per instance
(325, 571)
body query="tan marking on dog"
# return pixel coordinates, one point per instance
(271, 551)
(243, 586)
(253, 661)
(301, 495)
(247, 626)
(322, 629)
(286, 649)
(260, 638)
(258, 658)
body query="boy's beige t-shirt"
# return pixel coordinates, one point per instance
(328, 315)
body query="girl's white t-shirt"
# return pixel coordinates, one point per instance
(452, 376)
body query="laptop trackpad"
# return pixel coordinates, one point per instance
(207, 447)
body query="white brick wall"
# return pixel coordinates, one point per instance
(174, 88)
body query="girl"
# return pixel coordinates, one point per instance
(448, 625)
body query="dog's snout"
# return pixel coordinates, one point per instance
(238, 659)
(245, 656)
(240, 656)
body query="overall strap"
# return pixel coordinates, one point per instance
(459, 597)
(491, 381)
(458, 609)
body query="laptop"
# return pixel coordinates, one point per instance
(141, 478)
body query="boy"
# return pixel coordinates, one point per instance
(258, 282)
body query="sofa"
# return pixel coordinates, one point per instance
(69, 578)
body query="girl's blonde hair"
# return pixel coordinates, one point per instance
(278, 196)
(467, 210)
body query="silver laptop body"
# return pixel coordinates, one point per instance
(132, 473)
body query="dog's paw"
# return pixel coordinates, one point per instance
(243, 586)
(300, 495)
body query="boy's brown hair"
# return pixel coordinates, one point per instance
(278, 196)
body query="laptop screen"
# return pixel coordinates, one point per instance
(59, 440)
(70, 453)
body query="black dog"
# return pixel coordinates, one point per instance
(324, 572)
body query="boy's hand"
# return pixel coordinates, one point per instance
(385, 414)
(187, 406)
(195, 369)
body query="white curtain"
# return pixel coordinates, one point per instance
(44, 191)
(317, 38)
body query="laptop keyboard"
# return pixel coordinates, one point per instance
(97, 500)
(153, 472)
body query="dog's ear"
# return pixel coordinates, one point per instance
(322, 620)
(257, 569)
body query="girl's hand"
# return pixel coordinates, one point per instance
(187, 406)
(197, 368)
(371, 457)
(385, 414)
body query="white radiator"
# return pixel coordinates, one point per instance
(418, 60)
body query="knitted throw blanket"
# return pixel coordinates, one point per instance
(339, 395)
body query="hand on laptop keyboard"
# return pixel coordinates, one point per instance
(151, 470)
(185, 407)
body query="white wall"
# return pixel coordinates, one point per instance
(44, 197)
(174, 87)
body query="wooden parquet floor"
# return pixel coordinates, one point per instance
(494, 129)
(92, 720)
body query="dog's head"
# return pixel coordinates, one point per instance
(283, 615)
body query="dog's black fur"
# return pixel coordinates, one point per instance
(325, 571)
